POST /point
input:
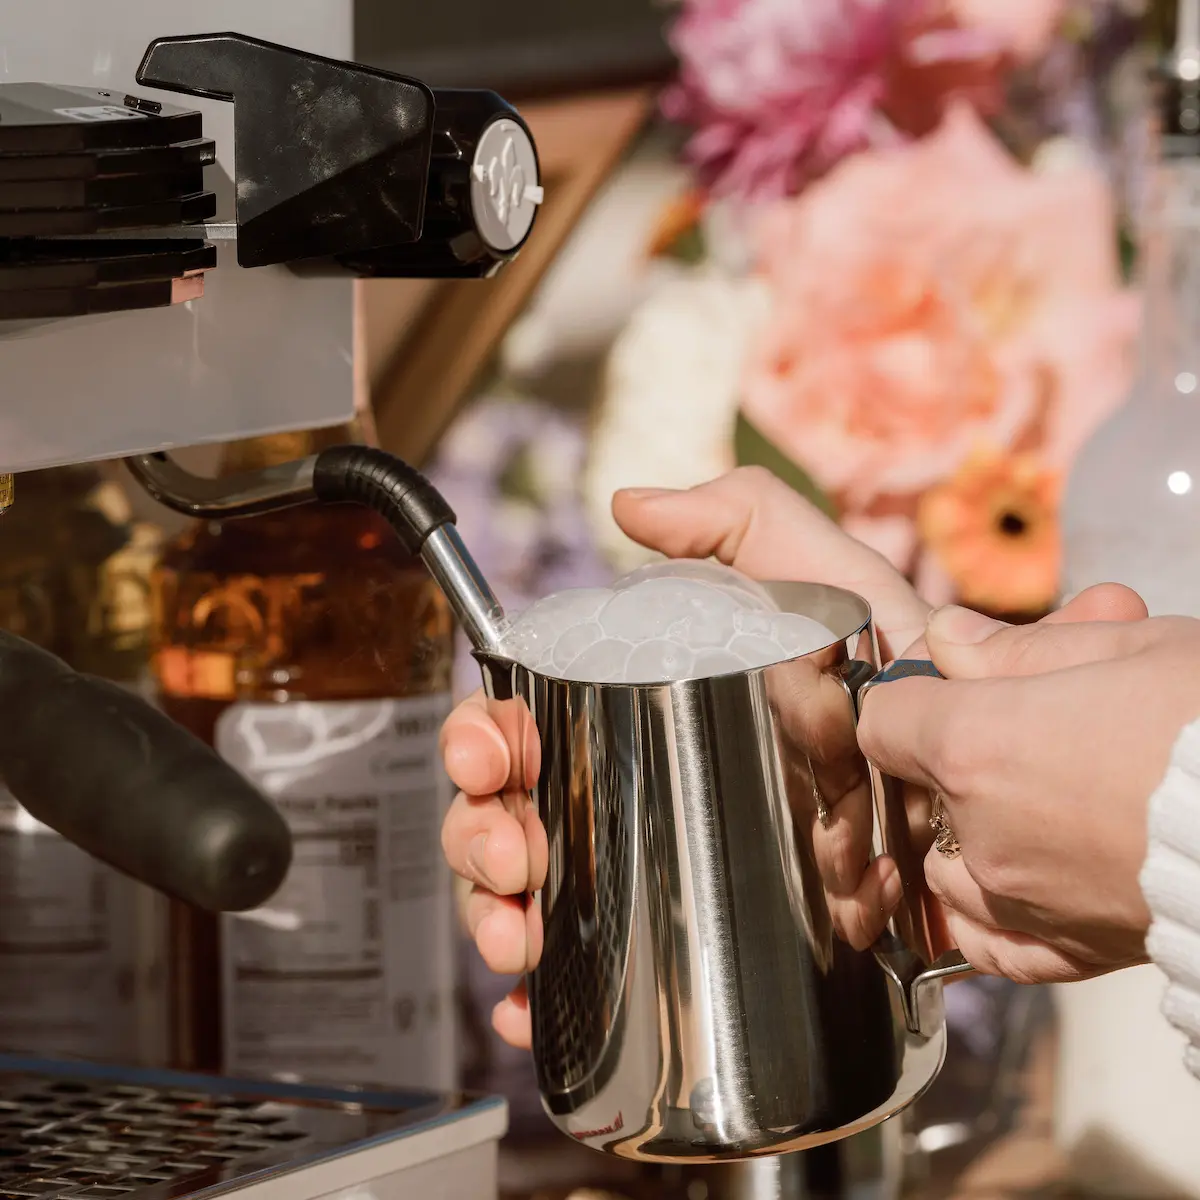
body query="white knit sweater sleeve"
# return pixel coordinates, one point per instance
(1171, 884)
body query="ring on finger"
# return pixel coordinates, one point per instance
(823, 812)
(944, 841)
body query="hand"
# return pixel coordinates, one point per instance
(1046, 743)
(492, 837)
(860, 915)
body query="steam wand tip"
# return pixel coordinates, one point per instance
(458, 575)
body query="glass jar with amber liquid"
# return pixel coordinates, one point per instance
(82, 947)
(316, 657)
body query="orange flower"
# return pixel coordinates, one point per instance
(993, 527)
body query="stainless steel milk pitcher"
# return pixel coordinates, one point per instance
(693, 1000)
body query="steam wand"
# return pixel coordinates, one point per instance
(363, 475)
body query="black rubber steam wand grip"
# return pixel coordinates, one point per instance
(127, 784)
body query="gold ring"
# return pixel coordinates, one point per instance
(944, 842)
(823, 813)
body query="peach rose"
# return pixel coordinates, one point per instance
(931, 298)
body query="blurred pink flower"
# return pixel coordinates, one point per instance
(1026, 27)
(779, 91)
(930, 298)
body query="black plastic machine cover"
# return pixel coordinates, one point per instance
(374, 170)
(340, 167)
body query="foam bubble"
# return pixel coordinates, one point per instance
(659, 661)
(693, 613)
(707, 571)
(755, 651)
(717, 662)
(571, 643)
(533, 634)
(753, 621)
(798, 634)
(602, 662)
(639, 614)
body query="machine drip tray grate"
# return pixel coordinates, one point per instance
(82, 1139)
(90, 1132)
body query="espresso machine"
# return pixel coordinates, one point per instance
(183, 216)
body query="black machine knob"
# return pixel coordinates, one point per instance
(374, 173)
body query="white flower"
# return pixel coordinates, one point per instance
(1064, 155)
(670, 400)
(582, 302)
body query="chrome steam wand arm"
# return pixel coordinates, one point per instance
(364, 475)
(245, 495)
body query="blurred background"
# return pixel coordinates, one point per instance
(900, 252)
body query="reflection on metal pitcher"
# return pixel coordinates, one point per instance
(694, 1001)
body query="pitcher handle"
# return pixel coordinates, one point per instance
(914, 979)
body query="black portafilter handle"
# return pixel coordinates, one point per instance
(124, 782)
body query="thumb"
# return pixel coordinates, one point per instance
(755, 522)
(748, 519)
(1101, 602)
(965, 645)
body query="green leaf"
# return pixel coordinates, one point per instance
(751, 449)
(517, 479)
(1128, 251)
(689, 247)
